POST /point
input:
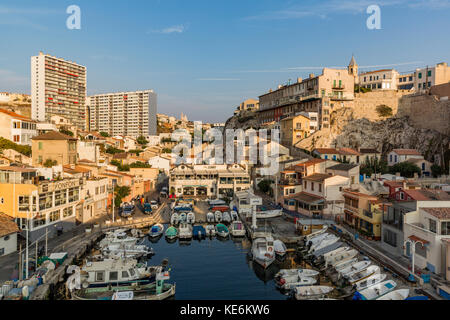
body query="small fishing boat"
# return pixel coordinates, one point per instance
(185, 231)
(307, 292)
(344, 255)
(210, 230)
(357, 267)
(182, 217)
(222, 230)
(125, 251)
(358, 276)
(171, 233)
(400, 294)
(198, 232)
(291, 283)
(174, 219)
(263, 251)
(267, 214)
(328, 255)
(226, 217)
(218, 216)
(156, 230)
(210, 217)
(375, 291)
(370, 281)
(318, 238)
(344, 264)
(300, 272)
(324, 243)
(234, 216)
(190, 218)
(221, 208)
(316, 233)
(117, 237)
(280, 248)
(216, 202)
(237, 229)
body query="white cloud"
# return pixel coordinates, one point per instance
(173, 29)
(218, 79)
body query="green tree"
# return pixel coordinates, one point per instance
(120, 192)
(104, 134)
(406, 169)
(264, 185)
(50, 163)
(437, 170)
(141, 140)
(139, 164)
(384, 110)
(374, 165)
(67, 132)
(8, 144)
(166, 150)
(112, 150)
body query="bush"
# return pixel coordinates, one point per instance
(264, 185)
(406, 169)
(66, 132)
(50, 163)
(104, 134)
(141, 140)
(436, 170)
(112, 150)
(120, 192)
(384, 111)
(8, 144)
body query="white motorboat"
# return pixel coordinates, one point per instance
(156, 230)
(293, 272)
(210, 230)
(318, 238)
(280, 248)
(185, 231)
(263, 251)
(190, 218)
(222, 230)
(306, 292)
(400, 294)
(210, 217)
(344, 264)
(330, 254)
(226, 217)
(344, 255)
(370, 281)
(182, 217)
(324, 243)
(316, 233)
(298, 282)
(218, 216)
(376, 291)
(117, 237)
(266, 214)
(216, 202)
(357, 267)
(237, 229)
(174, 219)
(234, 216)
(359, 276)
(126, 251)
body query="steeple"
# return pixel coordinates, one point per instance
(353, 67)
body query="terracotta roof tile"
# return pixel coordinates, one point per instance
(407, 152)
(440, 213)
(53, 135)
(7, 225)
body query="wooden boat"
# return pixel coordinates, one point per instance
(185, 231)
(190, 217)
(357, 267)
(358, 276)
(237, 229)
(280, 248)
(300, 272)
(221, 208)
(234, 216)
(171, 233)
(226, 217)
(222, 230)
(174, 219)
(210, 230)
(400, 294)
(370, 281)
(344, 264)
(156, 230)
(152, 291)
(198, 232)
(335, 259)
(298, 282)
(218, 216)
(375, 291)
(210, 217)
(263, 251)
(317, 238)
(306, 292)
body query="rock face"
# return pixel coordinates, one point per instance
(384, 135)
(245, 120)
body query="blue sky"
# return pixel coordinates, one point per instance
(203, 57)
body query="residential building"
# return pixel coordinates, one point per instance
(400, 155)
(124, 113)
(427, 77)
(322, 94)
(424, 166)
(249, 104)
(160, 162)
(46, 205)
(363, 212)
(348, 170)
(384, 79)
(8, 235)
(17, 156)
(95, 195)
(327, 153)
(313, 120)
(294, 129)
(405, 81)
(208, 180)
(58, 87)
(428, 229)
(88, 150)
(343, 154)
(54, 146)
(368, 154)
(16, 127)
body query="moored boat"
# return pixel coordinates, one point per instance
(344, 264)
(280, 248)
(300, 272)
(344, 255)
(291, 283)
(185, 231)
(156, 230)
(171, 233)
(263, 251)
(358, 276)
(375, 291)
(400, 294)
(234, 215)
(198, 232)
(210, 230)
(357, 267)
(226, 217)
(370, 281)
(190, 217)
(237, 229)
(222, 230)
(210, 217)
(307, 292)
(182, 216)
(218, 216)
(174, 219)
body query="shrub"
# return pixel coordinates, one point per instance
(384, 111)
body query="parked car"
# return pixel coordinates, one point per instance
(147, 208)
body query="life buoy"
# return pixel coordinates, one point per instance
(270, 249)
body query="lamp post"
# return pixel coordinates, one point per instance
(412, 244)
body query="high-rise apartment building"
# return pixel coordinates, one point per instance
(124, 113)
(58, 87)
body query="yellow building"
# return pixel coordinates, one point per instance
(294, 129)
(54, 146)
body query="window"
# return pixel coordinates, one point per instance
(429, 73)
(312, 186)
(39, 221)
(60, 197)
(40, 145)
(113, 276)
(54, 216)
(24, 203)
(100, 276)
(306, 183)
(45, 201)
(445, 228)
(67, 212)
(2, 251)
(390, 238)
(320, 187)
(420, 76)
(124, 274)
(432, 225)
(421, 250)
(132, 273)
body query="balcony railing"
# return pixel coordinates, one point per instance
(289, 182)
(338, 86)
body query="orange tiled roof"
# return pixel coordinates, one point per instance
(310, 162)
(15, 115)
(7, 225)
(407, 152)
(440, 213)
(348, 151)
(327, 150)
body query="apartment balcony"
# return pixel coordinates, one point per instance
(290, 182)
(353, 210)
(338, 86)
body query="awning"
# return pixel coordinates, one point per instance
(417, 239)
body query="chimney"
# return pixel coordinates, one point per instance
(416, 175)
(404, 185)
(311, 75)
(299, 80)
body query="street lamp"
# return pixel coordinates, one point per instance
(412, 244)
